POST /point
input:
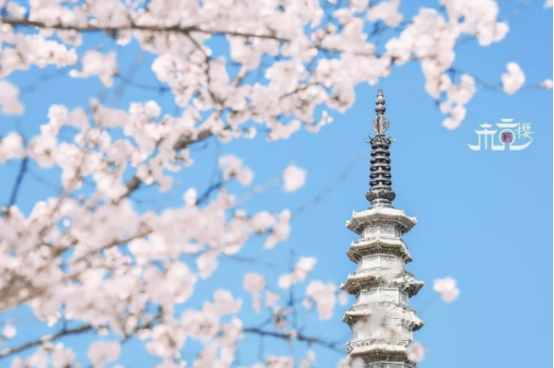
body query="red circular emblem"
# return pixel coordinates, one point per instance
(507, 137)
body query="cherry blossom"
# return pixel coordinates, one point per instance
(96, 63)
(62, 357)
(447, 289)
(358, 363)
(387, 11)
(307, 361)
(368, 326)
(108, 252)
(9, 101)
(514, 79)
(232, 167)
(254, 283)
(9, 331)
(271, 298)
(11, 146)
(324, 297)
(294, 178)
(415, 352)
(304, 266)
(280, 230)
(100, 353)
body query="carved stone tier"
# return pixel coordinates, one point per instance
(405, 315)
(381, 282)
(364, 247)
(386, 364)
(380, 216)
(378, 349)
(365, 279)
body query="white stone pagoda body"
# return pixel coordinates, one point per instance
(381, 319)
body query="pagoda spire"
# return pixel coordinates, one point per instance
(380, 193)
(381, 319)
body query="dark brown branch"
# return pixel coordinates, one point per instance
(182, 143)
(300, 337)
(18, 182)
(112, 31)
(130, 27)
(65, 332)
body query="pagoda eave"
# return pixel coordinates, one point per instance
(389, 364)
(374, 278)
(380, 216)
(365, 247)
(376, 349)
(405, 314)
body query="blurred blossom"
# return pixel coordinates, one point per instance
(9, 102)
(254, 283)
(11, 146)
(415, 352)
(447, 289)
(9, 331)
(304, 266)
(101, 352)
(514, 79)
(294, 178)
(324, 297)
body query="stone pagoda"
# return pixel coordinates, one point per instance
(381, 319)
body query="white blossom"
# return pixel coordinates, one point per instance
(280, 231)
(415, 352)
(386, 11)
(9, 331)
(304, 266)
(101, 352)
(232, 167)
(271, 298)
(294, 178)
(324, 297)
(358, 5)
(62, 357)
(369, 325)
(447, 289)
(106, 245)
(254, 283)
(11, 146)
(9, 101)
(514, 79)
(96, 63)
(308, 360)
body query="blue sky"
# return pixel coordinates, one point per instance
(483, 217)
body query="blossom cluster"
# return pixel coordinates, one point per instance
(91, 260)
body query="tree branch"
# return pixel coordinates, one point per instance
(299, 337)
(65, 332)
(131, 27)
(18, 181)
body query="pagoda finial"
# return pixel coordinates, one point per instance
(380, 193)
(380, 103)
(380, 122)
